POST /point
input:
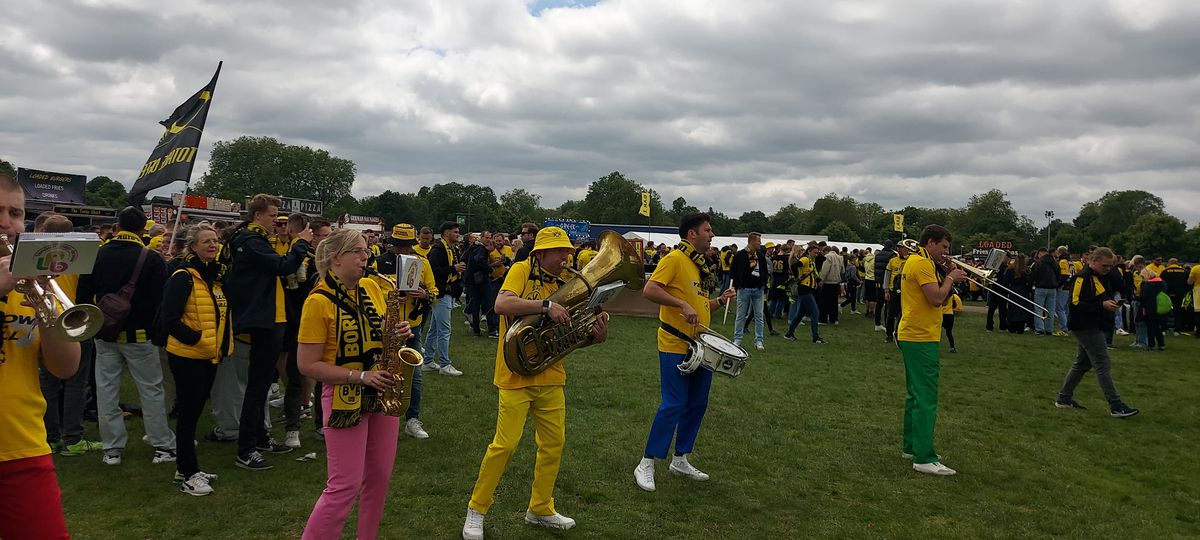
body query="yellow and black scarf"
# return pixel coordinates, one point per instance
(126, 236)
(359, 342)
(707, 279)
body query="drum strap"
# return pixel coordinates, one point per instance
(677, 333)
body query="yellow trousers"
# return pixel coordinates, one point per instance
(547, 406)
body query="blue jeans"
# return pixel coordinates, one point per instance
(1119, 319)
(414, 403)
(804, 304)
(684, 401)
(748, 299)
(1047, 299)
(1064, 297)
(437, 344)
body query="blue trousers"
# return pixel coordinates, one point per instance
(805, 304)
(437, 342)
(1062, 299)
(749, 301)
(684, 401)
(414, 402)
(1047, 299)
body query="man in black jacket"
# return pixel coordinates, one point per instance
(1045, 290)
(750, 271)
(528, 235)
(1092, 308)
(131, 346)
(479, 283)
(257, 308)
(447, 273)
(882, 258)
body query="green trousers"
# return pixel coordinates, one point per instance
(921, 370)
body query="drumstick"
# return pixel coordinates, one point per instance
(725, 317)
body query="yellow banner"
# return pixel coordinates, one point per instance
(898, 222)
(645, 211)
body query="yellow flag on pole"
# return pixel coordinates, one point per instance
(645, 210)
(898, 222)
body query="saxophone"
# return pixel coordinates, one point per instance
(398, 360)
(533, 343)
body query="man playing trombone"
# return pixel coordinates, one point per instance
(923, 290)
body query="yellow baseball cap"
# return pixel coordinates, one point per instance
(551, 238)
(770, 244)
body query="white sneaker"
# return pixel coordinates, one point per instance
(415, 429)
(473, 526)
(644, 474)
(451, 371)
(430, 366)
(275, 392)
(111, 459)
(1122, 332)
(292, 440)
(277, 403)
(197, 485)
(879, 328)
(759, 345)
(935, 468)
(554, 521)
(680, 466)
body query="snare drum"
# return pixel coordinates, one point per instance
(716, 354)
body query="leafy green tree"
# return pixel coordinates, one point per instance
(104, 191)
(616, 199)
(1151, 235)
(1115, 211)
(443, 202)
(393, 207)
(989, 212)
(722, 224)
(518, 206)
(789, 219)
(755, 221)
(7, 168)
(829, 209)
(1069, 235)
(680, 208)
(871, 219)
(838, 231)
(247, 165)
(344, 205)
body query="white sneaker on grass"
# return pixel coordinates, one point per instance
(879, 328)
(163, 455)
(450, 370)
(430, 366)
(473, 526)
(553, 521)
(292, 439)
(211, 477)
(644, 474)
(111, 458)
(680, 466)
(197, 485)
(935, 468)
(413, 428)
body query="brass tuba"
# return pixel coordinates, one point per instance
(54, 310)
(533, 343)
(398, 360)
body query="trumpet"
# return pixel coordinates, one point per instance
(56, 314)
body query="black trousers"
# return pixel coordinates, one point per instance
(829, 302)
(193, 384)
(893, 315)
(997, 303)
(948, 326)
(265, 345)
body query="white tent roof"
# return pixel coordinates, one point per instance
(740, 241)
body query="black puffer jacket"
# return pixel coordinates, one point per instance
(253, 278)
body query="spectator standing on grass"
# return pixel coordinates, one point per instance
(831, 285)
(749, 273)
(447, 272)
(1092, 307)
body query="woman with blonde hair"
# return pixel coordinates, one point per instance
(194, 320)
(340, 341)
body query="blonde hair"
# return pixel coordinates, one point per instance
(338, 242)
(193, 236)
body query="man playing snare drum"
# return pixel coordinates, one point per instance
(678, 285)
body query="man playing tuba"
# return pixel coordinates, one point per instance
(525, 291)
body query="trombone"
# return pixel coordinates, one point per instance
(985, 276)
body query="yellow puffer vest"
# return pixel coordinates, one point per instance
(208, 312)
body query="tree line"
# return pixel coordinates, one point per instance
(1130, 221)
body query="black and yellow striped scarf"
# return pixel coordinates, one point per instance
(359, 342)
(707, 279)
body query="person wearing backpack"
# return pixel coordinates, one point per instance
(194, 327)
(257, 307)
(126, 283)
(1156, 307)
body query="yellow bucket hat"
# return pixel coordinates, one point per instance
(403, 234)
(552, 237)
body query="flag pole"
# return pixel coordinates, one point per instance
(178, 214)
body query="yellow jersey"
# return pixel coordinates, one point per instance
(895, 267)
(953, 306)
(319, 319)
(585, 257)
(1194, 277)
(681, 279)
(422, 251)
(522, 282)
(24, 407)
(919, 321)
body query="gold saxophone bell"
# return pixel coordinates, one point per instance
(57, 315)
(533, 344)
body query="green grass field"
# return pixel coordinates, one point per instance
(805, 444)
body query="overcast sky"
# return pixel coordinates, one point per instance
(739, 105)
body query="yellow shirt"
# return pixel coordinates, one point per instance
(895, 266)
(1194, 277)
(680, 277)
(318, 320)
(953, 306)
(495, 256)
(919, 321)
(585, 257)
(22, 432)
(508, 252)
(806, 274)
(519, 283)
(1156, 268)
(424, 252)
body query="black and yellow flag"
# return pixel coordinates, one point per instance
(645, 209)
(175, 154)
(898, 222)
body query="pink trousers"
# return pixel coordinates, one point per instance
(360, 460)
